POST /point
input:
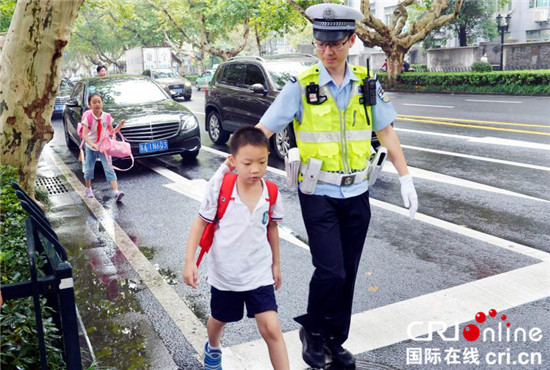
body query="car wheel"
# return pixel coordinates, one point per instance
(283, 141)
(217, 134)
(70, 143)
(187, 97)
(188, 156)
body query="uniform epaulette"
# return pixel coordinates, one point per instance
(359, 71)
(313, 70)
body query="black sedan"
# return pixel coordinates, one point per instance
(154, 125)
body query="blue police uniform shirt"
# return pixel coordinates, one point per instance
(288, 105)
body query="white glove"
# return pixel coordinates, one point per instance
(408, 192)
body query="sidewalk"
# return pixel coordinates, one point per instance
(110, 295)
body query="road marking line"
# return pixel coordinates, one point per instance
(195, 189)
(485, 159)
(475, 126)
(176, 308)
(483, 140)
(427, 105)
(390, 323)
(473, 120)
(462, 230)
(495, 101)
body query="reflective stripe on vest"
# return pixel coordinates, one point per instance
(339, 138)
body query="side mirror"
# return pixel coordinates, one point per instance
(258, 89)
(72, 103)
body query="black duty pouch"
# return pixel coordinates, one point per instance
(312, 94)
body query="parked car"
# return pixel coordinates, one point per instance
(243, 88)
(171, 81)
(204, 79)
(155, 124)
(63, 93)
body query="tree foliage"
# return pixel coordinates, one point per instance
(474, 21)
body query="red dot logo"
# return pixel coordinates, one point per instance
(471, 333)
(503, 317)
(480, 317)
(492, 312)
(507, 324)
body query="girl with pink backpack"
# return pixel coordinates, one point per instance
(92, 135)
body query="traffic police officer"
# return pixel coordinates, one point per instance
(333, 123)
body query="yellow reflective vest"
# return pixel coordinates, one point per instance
(339, 138)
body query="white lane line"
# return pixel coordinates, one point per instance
(195, 189)
(428, 105)
(477, 235)
(438, 177)
(495, 101)
(485, 159)
(389, 324)
(176, 308)
(483, 140)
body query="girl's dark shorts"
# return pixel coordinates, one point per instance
(228, 306)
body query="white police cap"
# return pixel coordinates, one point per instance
(332, 22)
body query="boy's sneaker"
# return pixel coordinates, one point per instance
(212, 358)
(118, 195)
(89, 193)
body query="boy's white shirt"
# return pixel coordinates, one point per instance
(240, 258)
(92, 132)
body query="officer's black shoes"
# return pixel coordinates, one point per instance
(312, 348)
(340, 355)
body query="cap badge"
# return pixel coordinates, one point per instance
(328, 14)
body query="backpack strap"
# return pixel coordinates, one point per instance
(273, 192)
(226, 190)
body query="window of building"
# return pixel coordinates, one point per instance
(537, 35)
(388, 14)
(538, 3)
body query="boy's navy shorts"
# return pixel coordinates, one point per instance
(227, 306)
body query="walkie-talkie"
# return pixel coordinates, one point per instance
(369, 88)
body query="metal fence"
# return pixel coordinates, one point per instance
(56, 286)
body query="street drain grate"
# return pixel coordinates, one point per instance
(53, 185)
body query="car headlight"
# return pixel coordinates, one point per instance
(188, 121)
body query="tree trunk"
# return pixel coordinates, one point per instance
(258, 40)
(30, 69)
(462, 37)
(395, 65)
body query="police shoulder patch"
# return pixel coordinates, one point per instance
(382, 95)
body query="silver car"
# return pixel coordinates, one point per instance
(171, 81)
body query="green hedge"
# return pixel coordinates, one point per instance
(18, 336)
(536, 82)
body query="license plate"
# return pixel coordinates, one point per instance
(58, 107)
(178, 91)
(155, 146)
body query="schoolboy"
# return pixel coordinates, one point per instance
(243, 264)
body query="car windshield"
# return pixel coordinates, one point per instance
(164, 74)
(281, 72)
(123, 92)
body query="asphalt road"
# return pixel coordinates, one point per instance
(481, 240)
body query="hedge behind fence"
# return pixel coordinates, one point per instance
(535, 82)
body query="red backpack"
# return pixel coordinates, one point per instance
(228, 183)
